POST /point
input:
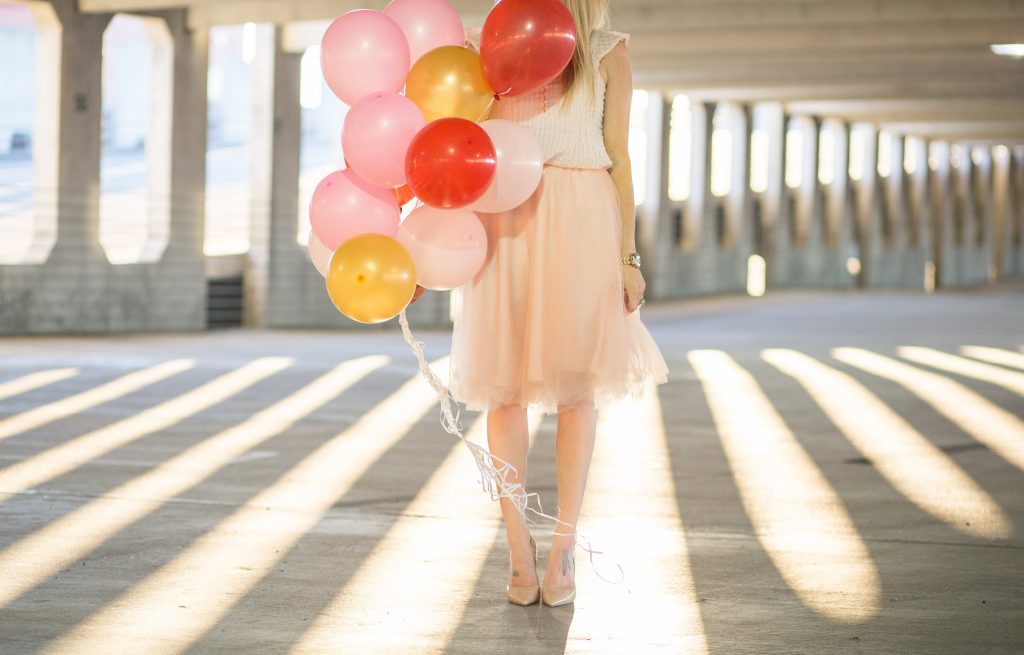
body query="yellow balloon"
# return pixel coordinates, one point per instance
(371, 278)
(449, 82)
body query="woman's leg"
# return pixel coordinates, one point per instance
(574, 446)
(509, 439)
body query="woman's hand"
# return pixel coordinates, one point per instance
(416, 294)
(633, 287)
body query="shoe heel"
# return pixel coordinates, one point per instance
(555, 596)
(524, 595)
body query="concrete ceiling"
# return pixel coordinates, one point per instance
(919, 66)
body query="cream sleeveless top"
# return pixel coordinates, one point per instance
(572, 137)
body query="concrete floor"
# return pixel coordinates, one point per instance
(777, 496)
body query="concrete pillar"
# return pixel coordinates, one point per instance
(971, 251)
(838, 200)
(274, 163)
(1001, 235)
(701, 201)
(918, 208)
(776, 198)
(655, 240)
(983, 242)
(808, 208)
(737, 244)
(1014, 264)
(738, 202)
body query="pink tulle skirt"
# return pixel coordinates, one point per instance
(543, 324)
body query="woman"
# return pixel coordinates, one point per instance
(550, 320)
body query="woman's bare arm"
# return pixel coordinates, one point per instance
(618, 76)
(616, 70)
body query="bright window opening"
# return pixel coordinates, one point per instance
(884, 153)
(721, 155)
(30, 36)
(230, 108)
(794, 157)
(638, 144)
(138, 60)
(680, 135)
(826, 155)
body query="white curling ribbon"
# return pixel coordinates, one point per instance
(493, 479)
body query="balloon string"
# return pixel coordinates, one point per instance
(493, 477)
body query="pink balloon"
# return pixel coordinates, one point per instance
(364, 51)
(448, 246)
(520, 165)
(319, 254)
(344, 205)
(427, 24)
(376, 136)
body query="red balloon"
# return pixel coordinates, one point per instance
(450, 163)
(526, 44)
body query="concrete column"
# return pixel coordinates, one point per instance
(919, 216)
(700, 201)
(808, 208)
(838, 208)
(1015, 222)
(274, 163)
(894, 195)
(655, 241)
(1000, 210)
(869, 209)
(736, 247)
(738, 203)
(774, 216)
(983, 243)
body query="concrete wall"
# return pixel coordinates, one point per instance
(76, 289)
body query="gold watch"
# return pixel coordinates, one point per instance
(632, 259)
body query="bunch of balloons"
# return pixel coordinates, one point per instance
(417, 129)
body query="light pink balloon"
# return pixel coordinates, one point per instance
(520, 165)
(448, 246)
(364, 51)
(427, 24)
(319, 254)
(376, 136)
(344, 205)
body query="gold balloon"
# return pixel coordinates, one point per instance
(371, 278)
(449, 82)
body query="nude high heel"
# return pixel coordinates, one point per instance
(524, 595)
(561, 595)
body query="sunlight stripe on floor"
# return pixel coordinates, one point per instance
(441, 540)
(60, 544)
(178, 603)
(69, 455)
(799, 519)
(994, 355)
(997, 375)
(990, 424)
(35, 380)
(80, 402)
(911, 463)
(631, 514)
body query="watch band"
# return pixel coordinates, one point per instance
(632, 259)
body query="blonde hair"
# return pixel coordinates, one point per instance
(589, 15)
